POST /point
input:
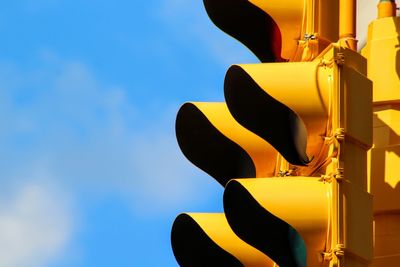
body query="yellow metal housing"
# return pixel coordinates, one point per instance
(332, 121)
(206, 239)
(273, 206)
(270, 105)
(382, 52)
(386, 8)
(212, 140)
(275, 30)
(303, 130)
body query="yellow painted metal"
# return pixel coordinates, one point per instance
(289, 17)
(352, 124)
(382, 52)
(304, 77)
(357, 220)
(213, 231)
(387, 238)
(326, 22)
(347, 24)
(386, 8)
(336, 108)
(306, 26)
(305, 203)
(220, 130)
(384, 183)
(308, 99)
(316, 81)
(259, 150)
(323, 108)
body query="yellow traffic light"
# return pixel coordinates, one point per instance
(206, 239)
(269, 105)
(382, 52)
(276, 30)
(295, 133)
(213, 141)
(319, 119)
(289, 219)
(312, 216)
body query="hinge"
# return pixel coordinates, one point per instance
(339, 59)
(339, 175)
(310, 36)
(340, 134)
(339, 250)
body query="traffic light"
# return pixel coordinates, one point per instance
(277, 30)
(216, 143)
(206, 239)
(289, 145)
(382, 52)
(306, 218)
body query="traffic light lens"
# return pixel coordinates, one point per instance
(249, 24)
(207, 148)
(261, 229)
(192, 246)
(273, 121)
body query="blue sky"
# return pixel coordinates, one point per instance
(90, 171)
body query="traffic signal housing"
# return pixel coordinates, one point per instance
(382, 53)
(307, 213)
(276, 30)
(215, 142)
(289, 145)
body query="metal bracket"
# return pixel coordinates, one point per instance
(339, 250)
(339, 175)
(310, 36)
(340, 134)
(339, 59)
(326, 178)
(285, 173)
(327, 256)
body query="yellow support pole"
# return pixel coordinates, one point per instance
(347, 24)
(386, 8)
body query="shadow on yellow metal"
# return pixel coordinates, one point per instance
(270, 105)
(328, 131)
(318, 115)
(304, 210)
(383, 54)
(275, 30)
(215, 142)
(319, 216)
(206, 239)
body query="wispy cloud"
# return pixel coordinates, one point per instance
(35, 226)
(63, 119)
(62, 125)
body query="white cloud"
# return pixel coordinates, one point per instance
(89, 136)
(35, 226)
